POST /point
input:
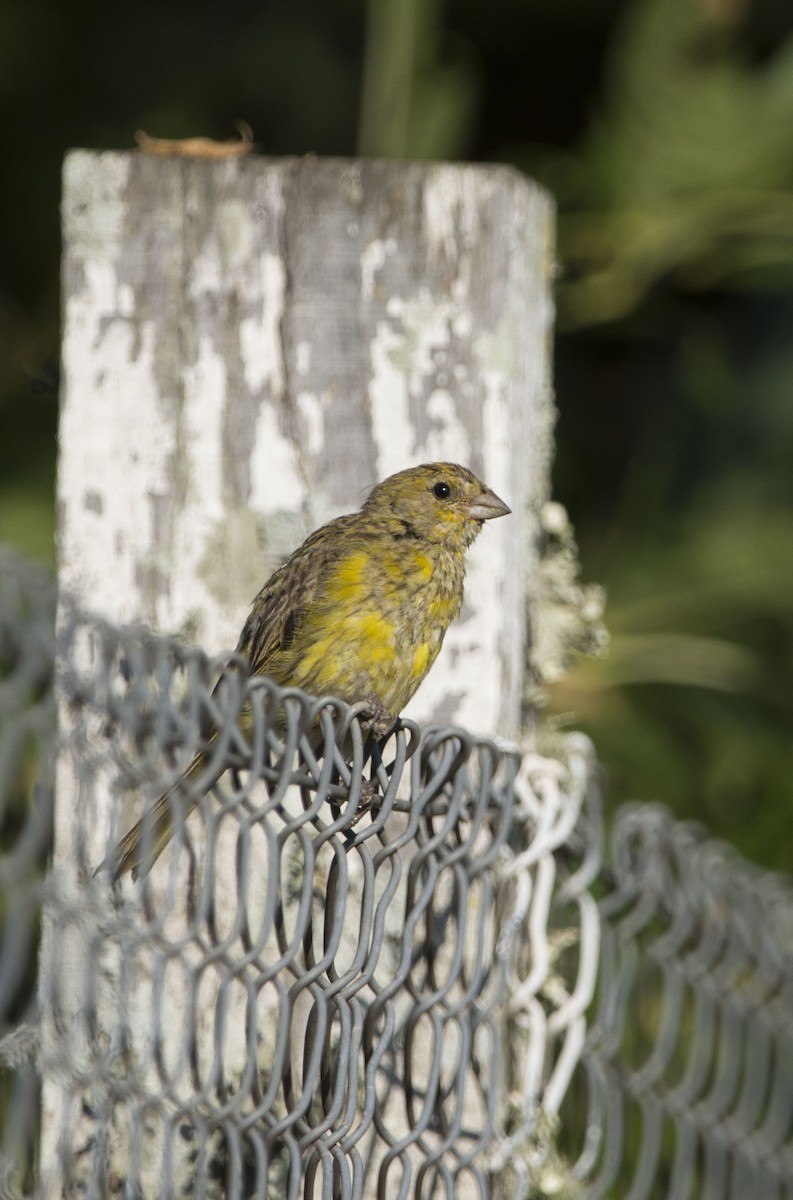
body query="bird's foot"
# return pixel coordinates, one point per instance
(379, 721)
(369, 792)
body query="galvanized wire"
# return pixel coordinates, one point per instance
(687, 1070)
(328, 985)
(358, 970)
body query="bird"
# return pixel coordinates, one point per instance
(359, 611)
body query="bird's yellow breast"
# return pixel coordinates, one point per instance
(347, 581)
(378, 625)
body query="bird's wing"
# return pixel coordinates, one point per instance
(281, 606)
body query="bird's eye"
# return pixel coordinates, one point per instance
(442, 491)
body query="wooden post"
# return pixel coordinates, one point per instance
(249, 345)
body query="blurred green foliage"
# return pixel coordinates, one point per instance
(676, 235)
(664, 129)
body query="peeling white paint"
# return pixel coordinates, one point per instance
(453, 199)
(275, 475)
(205, 272)
(205, 379)
(450, 441)
(118, 446)
(235, 233)
(462, 324)
(203, 502)
(125, 300)
(373, 258)
(260, 336)
(426, 322)
(496, 349)
(311, 408)
(303, 357)
(388, 397)
(442, 201)
(94, 209)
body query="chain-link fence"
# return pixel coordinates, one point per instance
(358, 970)
(686, 1077)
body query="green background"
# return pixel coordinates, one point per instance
(665, 130)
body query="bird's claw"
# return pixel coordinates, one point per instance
(369, 792)
(379, 720)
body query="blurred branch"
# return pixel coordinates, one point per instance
(688, 170)
(619, 256)
(414, 103)
(679, 658)
(389, 65)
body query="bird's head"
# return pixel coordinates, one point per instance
(437, 502)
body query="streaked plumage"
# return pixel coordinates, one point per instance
(359, 611)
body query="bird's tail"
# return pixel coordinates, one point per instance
(140, 848)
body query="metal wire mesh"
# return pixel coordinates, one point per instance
(334, 981)
(358, 971)
(687, 1071)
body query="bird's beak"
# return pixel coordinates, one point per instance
(487, 506)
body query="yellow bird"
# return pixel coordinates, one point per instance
(359, 611)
